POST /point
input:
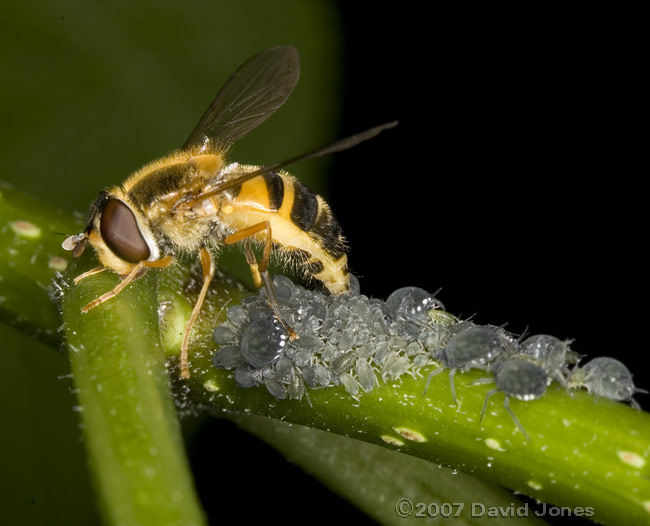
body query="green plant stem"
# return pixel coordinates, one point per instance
(131, 429)
(29, 260)
(382, 482)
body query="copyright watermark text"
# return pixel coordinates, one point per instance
(405, 507)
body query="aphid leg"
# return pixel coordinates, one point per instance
(506, 404)
(452, 385)
(481, 381)
(207, 265)
(136, 272)
(430, 377)
(633, 402)
(89, 273)
(485, 402)
(559, 378)
(260, 269)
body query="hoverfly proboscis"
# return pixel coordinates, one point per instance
(193, 200)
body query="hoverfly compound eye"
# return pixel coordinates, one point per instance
(120, 232)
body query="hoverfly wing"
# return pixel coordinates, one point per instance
(337, 146)
(250, 96)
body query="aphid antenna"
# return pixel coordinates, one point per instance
(416, 321)
(524, 333)
(521, 336)
(223, 307)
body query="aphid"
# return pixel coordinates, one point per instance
(473, 348)
(394, 366)
(229, 356)
(442, 317)
(247, 376)
(276, 388)
(263, 341)
(350, 384)
(606, 377)
(519, 379)
(366, 375)
(342, 363)
(548, 352)
(411, 304)
(296, 387)
(193, 201)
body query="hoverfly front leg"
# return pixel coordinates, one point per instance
(258, 270)
(207, 264)
(88, 273)
(137, 270)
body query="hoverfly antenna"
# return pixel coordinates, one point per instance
(76, 243)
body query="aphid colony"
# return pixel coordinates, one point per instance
(356, 341)
(350, 340)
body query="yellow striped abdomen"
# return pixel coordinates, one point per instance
(302, 224)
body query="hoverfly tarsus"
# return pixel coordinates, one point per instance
(193, 201)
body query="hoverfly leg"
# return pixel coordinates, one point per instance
(135, 273)
(258, 270)
(207, 265)
(252, 263)
(88, 273)
(112, 293)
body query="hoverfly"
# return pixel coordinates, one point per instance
(193, 200)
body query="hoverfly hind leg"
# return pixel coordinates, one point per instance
(252, 263)
(258, 270)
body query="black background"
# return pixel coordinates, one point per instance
(514, 178)
(513, 182)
